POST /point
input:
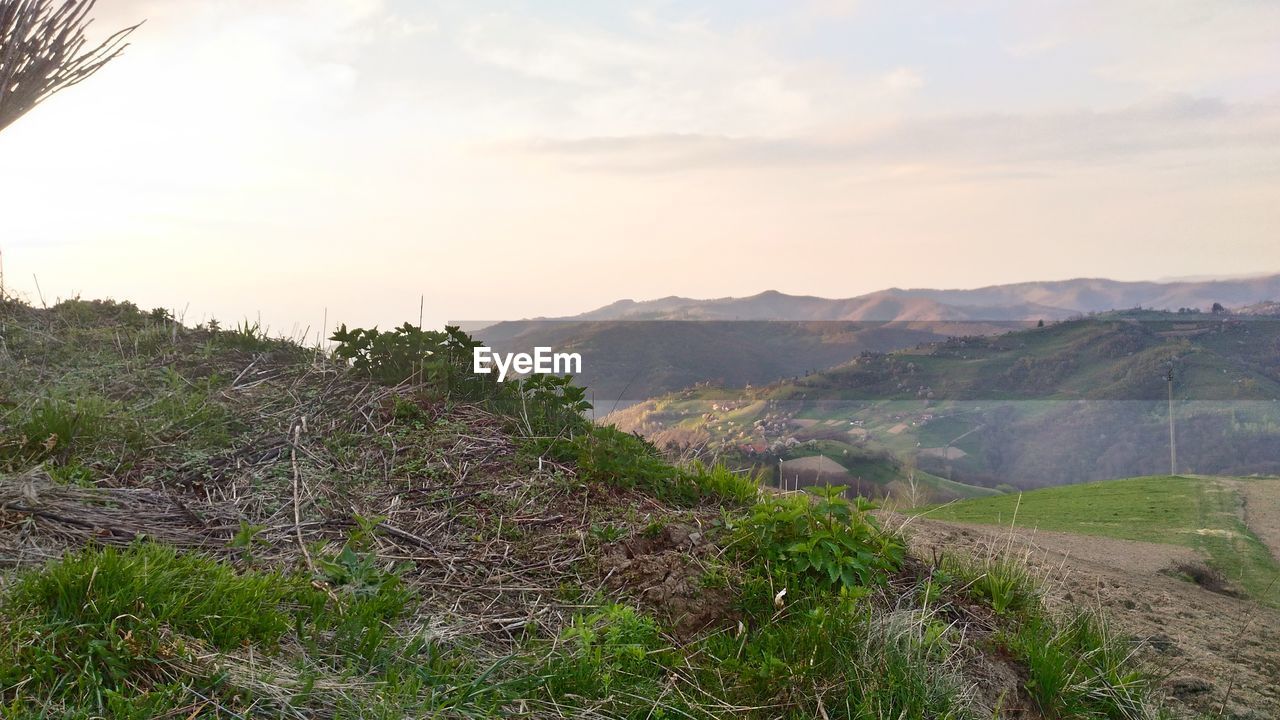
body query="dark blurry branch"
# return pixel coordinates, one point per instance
(43, 50)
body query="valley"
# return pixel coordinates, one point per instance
(1073, 401)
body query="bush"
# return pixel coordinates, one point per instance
(828, 540)
(540, 405)
(409, 352)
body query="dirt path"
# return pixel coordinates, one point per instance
(1214, 651)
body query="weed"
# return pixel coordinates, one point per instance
(827, 539)
(613, 653)
(1078, 667)
(608, 533)
(53, 429)
(1000, 582)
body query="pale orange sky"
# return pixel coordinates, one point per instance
(516, 159)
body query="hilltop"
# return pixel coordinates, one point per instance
(1075, 400)
(207, 522)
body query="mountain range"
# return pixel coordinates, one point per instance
(1047, 300)
(634, 350)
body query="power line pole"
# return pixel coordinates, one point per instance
(1173, 440)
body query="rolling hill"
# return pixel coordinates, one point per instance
(1073, 401)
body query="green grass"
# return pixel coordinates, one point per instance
(945, 487)
(1153, 509)
(103, 627)
(1076, 666)
(1193, 512)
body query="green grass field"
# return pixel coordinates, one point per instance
(1193, 512)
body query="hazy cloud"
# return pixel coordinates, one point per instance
(1039, 142)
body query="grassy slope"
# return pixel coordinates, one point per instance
(209, 523)
(1193, 512)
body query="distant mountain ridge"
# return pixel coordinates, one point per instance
(1048, 300)
(634, 350)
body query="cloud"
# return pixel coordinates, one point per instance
(1036, 143)
(838, 9)
(1164, 46)
(650, 74)
(903, 80)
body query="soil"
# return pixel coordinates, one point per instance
(666, 570)
(1217, 655)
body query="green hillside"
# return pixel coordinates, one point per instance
(1074, 401)
(1200, 513)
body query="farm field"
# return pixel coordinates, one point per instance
(1205, 514)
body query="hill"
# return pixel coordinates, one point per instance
(635, 350)
(1073, 401)
(210, 523)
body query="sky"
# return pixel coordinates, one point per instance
(314, 161)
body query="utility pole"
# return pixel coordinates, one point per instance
(1173, 440)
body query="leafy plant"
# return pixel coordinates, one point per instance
(827, 539)
(547, 405)
(409, 352)
(613, 652)
(540, 405)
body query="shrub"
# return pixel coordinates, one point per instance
(825, 539)
(541, 405)
(409, 352)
